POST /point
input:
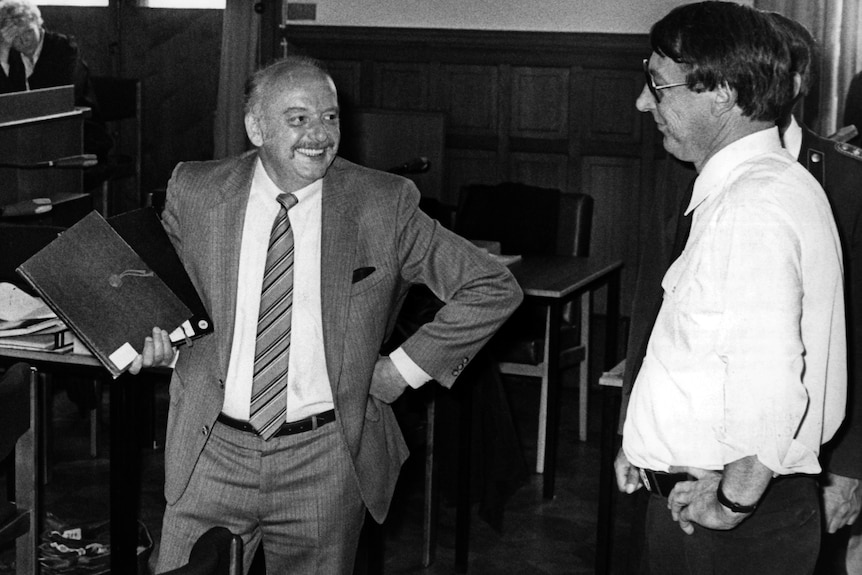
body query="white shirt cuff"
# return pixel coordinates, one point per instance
(412, 373)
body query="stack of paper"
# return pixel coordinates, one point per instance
(27, 323)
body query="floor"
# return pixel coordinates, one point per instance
(536, 536)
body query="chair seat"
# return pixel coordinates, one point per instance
(529, 348)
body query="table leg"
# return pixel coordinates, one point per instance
(462, 507)
(125, 474)
(610, 409)
(613, 319)
(552, 358)
(605, 523)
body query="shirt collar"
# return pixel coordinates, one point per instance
(717, 168)
(792, 138)
(269, 189)
(32, 61)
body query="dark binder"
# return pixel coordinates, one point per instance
(142, 230)
(111, 286)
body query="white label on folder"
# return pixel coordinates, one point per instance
(124, 356)
(179, 334)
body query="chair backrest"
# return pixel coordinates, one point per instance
(526, 219)
(216, 552)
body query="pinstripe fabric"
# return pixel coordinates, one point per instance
(269, 385)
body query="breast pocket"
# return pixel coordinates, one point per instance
(367, 281)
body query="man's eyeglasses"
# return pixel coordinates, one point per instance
(656, 90)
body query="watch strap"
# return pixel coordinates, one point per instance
(732, 505)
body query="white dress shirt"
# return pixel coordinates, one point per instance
(748, 353)
(308, 387)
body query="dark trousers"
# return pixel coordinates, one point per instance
(781, 537)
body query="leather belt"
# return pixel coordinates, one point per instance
(289, 428)
(660, 482)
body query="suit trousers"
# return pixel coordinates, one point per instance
(297, 495)
(781, 537)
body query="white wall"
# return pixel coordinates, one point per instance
(620, 16)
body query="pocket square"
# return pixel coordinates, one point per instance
(360, 274)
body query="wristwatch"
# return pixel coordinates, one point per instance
(732, 505)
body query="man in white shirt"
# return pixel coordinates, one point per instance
(745, 372)
(280, 426)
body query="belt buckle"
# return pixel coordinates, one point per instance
(645, 479)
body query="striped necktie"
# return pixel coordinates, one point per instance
(269, 384)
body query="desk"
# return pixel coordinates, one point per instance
(125, 461)
(554, 281)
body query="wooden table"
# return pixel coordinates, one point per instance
(554, 281)
(125, 462)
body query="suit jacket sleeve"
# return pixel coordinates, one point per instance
(479, 294)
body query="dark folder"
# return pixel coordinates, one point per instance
(111, 286)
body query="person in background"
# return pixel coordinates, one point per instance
(280, 425)
(853, 108)
(742, 378)
(7, 35)
(41, 58)
(838, 168)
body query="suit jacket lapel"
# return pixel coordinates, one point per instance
(339, 230)
(225, 220)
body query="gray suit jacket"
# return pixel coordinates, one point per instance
(369, 219)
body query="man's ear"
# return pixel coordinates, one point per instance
(724, 100)
(253, 130)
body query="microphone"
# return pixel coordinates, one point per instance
(418, 165)
(78, 161)
(30, 207)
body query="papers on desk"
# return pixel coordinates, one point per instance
(27, 323)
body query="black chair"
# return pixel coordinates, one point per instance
(118, 106)
(529, 220)
(19, 411)
(216, 552)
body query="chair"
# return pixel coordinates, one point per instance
(533, 220)
(19, 411)
(118, 105)
(216, 552)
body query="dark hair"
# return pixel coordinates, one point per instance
(262, 80)
(728, 44)
(803, 49)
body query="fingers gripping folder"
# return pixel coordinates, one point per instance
(112, 281)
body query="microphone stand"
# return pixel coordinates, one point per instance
(76, 162)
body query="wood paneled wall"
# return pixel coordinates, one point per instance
(547, 109)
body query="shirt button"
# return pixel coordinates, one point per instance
(221, 384)
(205, 430)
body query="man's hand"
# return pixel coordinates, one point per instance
(8, 33)
(693, 502)
(387, 384)
(842, 500)
(628, 478)
(158, 351)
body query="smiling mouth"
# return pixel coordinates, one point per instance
(311, 152)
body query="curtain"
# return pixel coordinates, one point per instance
(240, 47)
(837, 27)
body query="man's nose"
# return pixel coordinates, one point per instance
(646, 101)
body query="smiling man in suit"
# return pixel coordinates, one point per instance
(280, 426)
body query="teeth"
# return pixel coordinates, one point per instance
(309, 151)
